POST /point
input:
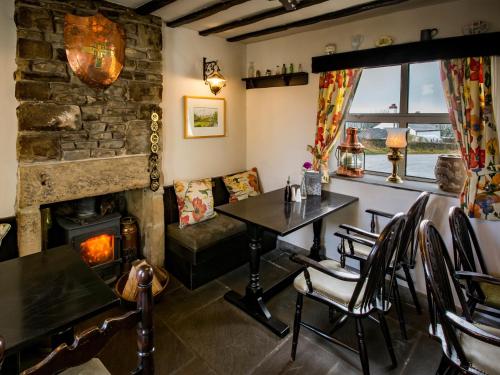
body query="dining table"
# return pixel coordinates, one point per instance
(45, 294)
(270, 212)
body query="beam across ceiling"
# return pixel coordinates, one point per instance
(205, 12)
(258, 17)
(152, 6)
(356, 9)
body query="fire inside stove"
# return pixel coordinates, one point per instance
(98, 250)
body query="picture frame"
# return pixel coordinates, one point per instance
(204, 117)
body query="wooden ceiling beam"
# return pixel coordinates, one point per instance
(356, 9)
(258, 17)
(152, 6)
(205, 12)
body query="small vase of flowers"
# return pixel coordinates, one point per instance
(311, 180)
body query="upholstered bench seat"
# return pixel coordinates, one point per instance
(204, 251)
(203, 235)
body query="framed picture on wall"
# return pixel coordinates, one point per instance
(204, 117)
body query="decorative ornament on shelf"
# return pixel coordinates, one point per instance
(396, 140)
(351, 155)
(212, 76)
(330, 48)
(384, 41)
(476, 27)
(356, 41)
(154, 174)
(428, 34)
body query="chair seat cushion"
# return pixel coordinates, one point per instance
(359, 250)
(492, 294)
(339, 291)
(92, 367)
(205, 234)
(481, 355)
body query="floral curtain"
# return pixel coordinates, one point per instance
(336, 90)
(467, 87)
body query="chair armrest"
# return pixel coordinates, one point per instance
(308, 262)
(350, 228)
(379, 213)
(477, 277)
(348, 237)
(472, 330)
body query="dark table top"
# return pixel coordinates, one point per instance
(42, 293)
(270, 212)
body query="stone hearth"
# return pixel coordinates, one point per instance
(75, 141)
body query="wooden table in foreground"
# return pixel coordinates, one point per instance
(45, 293)
(269, 212)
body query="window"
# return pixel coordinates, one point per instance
(408, 96)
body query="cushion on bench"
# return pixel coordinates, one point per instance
(206, 234)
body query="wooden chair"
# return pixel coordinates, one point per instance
(406, 256)
(480, 286)
(351, 294)
(468, 347)
(80, 356)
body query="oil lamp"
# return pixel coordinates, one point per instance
(351, 155)
(396, 140)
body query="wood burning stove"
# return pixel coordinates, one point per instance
(97, 239)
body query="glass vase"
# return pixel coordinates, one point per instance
(303, 191)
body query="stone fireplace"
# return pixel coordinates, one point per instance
(75, 141)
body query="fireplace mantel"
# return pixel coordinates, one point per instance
(43, 183)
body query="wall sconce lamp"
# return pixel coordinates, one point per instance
(396, 140)
(212, 76)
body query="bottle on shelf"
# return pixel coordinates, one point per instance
(278, 70)
(251, 70)
(299, 69)
(291, 68)
(283, 69)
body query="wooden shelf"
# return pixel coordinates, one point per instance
(436, 49)
(280, 80)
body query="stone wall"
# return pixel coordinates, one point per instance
(75, 141)
(60, 117)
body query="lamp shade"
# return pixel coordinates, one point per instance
(216, 82)
(396, 138)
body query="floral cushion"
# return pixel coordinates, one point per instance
(195, 201)
(242, 185)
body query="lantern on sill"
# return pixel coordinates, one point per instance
(351, 155)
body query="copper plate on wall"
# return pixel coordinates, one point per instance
(95, 47)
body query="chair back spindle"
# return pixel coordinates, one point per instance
(438, 271)
(375, 268)
(409, 243)
(466, 250)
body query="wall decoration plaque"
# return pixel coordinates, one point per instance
(95, 47)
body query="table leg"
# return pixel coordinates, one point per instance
(316, 247)
(253, 301)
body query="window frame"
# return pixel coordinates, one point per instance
(403, 118)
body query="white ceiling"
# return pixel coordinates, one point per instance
(181, 8)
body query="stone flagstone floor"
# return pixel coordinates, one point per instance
(198, 332)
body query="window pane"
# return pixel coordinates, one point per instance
(372, 136)
(378, 91)
(425, 143)
(426, 93)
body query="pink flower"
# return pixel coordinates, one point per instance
(307, 165)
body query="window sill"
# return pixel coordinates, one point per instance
(407, 185)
